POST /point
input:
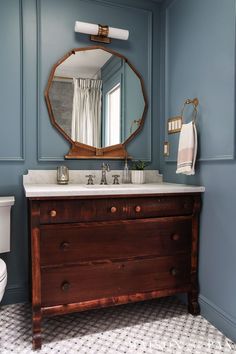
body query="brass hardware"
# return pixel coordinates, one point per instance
(53, 213)
(103, 30)
(101, 39)
(125, 210)
(64, 245)
(65, 286)
(102, 36)
(113, 209)
(195, 103)
(138, 209)
(174, 124)
(175, 237)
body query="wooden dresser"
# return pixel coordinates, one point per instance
(91, 252)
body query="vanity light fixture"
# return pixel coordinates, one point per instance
(101, 33)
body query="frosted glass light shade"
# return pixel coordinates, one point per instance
(90, 28)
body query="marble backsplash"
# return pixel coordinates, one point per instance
(79, 176)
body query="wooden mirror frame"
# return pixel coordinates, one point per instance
(82, 151)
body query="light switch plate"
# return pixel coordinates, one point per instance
(174, 125)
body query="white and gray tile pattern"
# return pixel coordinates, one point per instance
(152, 327)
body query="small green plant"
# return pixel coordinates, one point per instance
(139, 165)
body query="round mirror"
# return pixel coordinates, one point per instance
(96, 99)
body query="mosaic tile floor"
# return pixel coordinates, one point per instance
(151, 327)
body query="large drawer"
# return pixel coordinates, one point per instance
(84, 283)
(71, 243)
(80, 210)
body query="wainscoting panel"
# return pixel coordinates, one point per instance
(11, 73)
(196, 67)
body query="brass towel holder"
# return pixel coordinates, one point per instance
(174, 124)
(195, 103)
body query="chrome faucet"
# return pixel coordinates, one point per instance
(105, 169)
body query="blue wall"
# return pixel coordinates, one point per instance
(34, 35)
(198, 59)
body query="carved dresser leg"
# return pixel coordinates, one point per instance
(193, 305)
(37, 339)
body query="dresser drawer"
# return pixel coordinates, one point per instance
(66, 243)
(81, 210)
(160, 206)
(83, 283)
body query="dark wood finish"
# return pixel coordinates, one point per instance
(77, 210)
(103, 280)
(92, 252)
(116, 240)
(83, 151)
(111, 301)
(36, 274)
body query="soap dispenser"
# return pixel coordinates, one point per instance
(126, 173)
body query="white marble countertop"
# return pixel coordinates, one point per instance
(55, 190)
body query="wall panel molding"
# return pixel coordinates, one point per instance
(148, 85)
(21, 156)
(205, 157)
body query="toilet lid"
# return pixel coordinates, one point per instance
(3, 269)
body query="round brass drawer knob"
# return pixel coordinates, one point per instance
(65, 286)
(113, 210)
(53, 213)
(175, 237)
(64, 246)
(138, 209)
(174, 272)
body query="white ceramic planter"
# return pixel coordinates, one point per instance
(137, 176)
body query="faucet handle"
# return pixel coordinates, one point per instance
(90, 179)
(116, 179)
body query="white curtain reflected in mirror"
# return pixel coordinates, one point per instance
(86, 111)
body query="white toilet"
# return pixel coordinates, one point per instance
(5, 217)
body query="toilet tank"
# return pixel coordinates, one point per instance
(5, 222)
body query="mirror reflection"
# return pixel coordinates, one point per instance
(96, 98)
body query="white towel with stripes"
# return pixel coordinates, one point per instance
(187, 151)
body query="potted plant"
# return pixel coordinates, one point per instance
(137, 173)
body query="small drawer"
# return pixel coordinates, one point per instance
(83, 283)
(79, 210)
(161, 206)
(62, 244)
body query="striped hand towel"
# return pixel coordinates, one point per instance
(187, 151)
